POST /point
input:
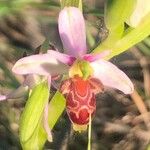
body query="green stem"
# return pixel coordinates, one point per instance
(89, 134)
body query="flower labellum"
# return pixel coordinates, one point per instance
(80, 99)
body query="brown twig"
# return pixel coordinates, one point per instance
(141, 107)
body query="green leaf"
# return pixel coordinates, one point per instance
(147, 41)
(33, 111)
(142, 8)
(56, 108)
(33, 143)
(39, 136)
(132, 37)
(143, 48)
(74, 3)
(117, 12)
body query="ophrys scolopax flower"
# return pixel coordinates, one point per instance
(85, 74)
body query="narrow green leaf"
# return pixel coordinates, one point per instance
(74, 3)
(143, 48)
(147, 41)
(90, 38)
(56, 108)
(141, 9)
(148, 148)
(133, 37)
(33, 142)
(117, 12)
(33, 111)
(128, 40)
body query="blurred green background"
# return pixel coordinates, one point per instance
(118, 123)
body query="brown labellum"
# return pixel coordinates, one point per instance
(80, 98)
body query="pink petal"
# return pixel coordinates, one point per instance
(41, 64)
(112, 76)
(49, 81)
(46, 125)
(32, 80)
(72, 31)
(3, 97)
(64, 58)
(94, 57)
(18, 93)
(45, 117)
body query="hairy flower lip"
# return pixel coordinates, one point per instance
(80, 99)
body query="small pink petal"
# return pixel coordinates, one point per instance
(46, 125)
(112, 76)
(32, 80)
(72, 31)
(49, 81)
(64, 58)
(94, 57)
(41, 64)
(3, 97)
(18, 93)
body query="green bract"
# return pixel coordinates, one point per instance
(34, 137)
(33, 112)
(56, 108)
(117, 11)
(120, 38)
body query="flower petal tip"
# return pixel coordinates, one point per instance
(49, 137)
(72, 31)
(111, 76)
(41, 64)
(3, 97)
(94, 57)
(129, 89)
(15, 69)
(79, 128)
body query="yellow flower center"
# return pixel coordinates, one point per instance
(81, 68)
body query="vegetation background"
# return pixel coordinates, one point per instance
(121, 122)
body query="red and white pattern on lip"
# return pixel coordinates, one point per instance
(80, 98)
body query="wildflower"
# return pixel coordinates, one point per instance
(86, 74)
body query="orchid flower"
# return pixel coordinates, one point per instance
(87, 74)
